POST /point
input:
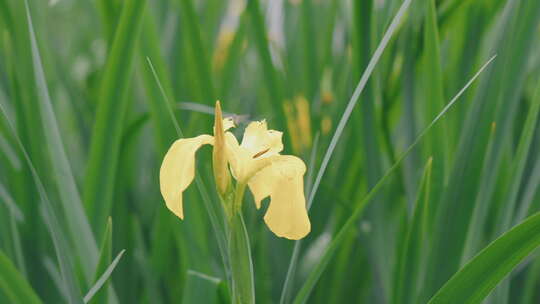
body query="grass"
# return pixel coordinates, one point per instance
(421, 148)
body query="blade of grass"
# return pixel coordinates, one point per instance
(56, 277)
(481, 204)
(356, 94)
(12, 282)
(364, 20)
(343, 121)
(337, 134)
(10, 204)
(105, 257)
(217, 225)
(17, 246)
(198, 52)
(164, 128)
(51, 221)
(112, 106)
(201, 288)
(476, 279)
(310, 48)
(529, 192)
(351, 221)
(103, 278)
(9, 153)
(508, 210)
(229, 71)
(496, 99)
(438, 142)
(409, 267)
(79, 227)
(271, 75)
(531, 283)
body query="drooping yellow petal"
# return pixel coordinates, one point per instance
(282, 180)
(178, 170)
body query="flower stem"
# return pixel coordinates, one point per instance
(242, 285)
(238, 197)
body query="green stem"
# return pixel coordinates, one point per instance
(242, 285)
(238, 197)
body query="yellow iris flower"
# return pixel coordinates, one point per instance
(256, 162)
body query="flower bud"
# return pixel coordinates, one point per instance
(219, 157)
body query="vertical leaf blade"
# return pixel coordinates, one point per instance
(112, 108)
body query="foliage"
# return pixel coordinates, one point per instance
(421, 148)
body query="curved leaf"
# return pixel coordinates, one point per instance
(15, 287)
(478, 277)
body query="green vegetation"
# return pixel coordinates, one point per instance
(418, 121)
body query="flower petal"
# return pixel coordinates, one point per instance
(178, 170)
(258, 139)
(228, 123)
(283, 181)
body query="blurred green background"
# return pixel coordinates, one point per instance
(85, 91)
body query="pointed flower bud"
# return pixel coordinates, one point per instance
(219, 157)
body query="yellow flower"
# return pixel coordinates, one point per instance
(256, 162)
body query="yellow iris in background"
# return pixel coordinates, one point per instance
(256, 162)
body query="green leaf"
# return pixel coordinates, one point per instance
(409, 265)
(517, 175)
(478, 277)
(329, 251)
(203, 75)
(51, 221)
(438, 142)
(6, 198)
(103, 278)
(243, 286)
(105, 256)
(518, 167)
(211, 209)
(81, 233)
(271, 76)
(111, 110)
(201, 288)
(164, 128)
(9, 153)
(473, 241)
(13, 284)
(496, 99)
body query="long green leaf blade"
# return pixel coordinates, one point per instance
(201, 288)
(13, 284)
(105, 257)
(410, 263)
(103, 278)
(81, 233)
(112, 108)
(51, 220)
(476, 279)
(317, 271)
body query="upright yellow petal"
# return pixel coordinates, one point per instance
(283, 181)
(237, 156)
(228, 123)
(178, 170)
(258, 139)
